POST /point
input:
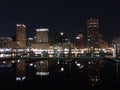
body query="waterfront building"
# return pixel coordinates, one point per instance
(93, 33)
(79, 41)
(21, 35)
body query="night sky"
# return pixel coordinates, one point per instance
(60, 16)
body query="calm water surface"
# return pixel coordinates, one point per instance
(78, 73)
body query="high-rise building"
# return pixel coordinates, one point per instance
(42, 35)
(5, 42)
(93, 33)
(116, 45)
(21, 35)
(79, 41)
(60, 38)
(41, 39)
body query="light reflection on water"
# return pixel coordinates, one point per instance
(91, 73)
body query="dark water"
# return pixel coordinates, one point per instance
(58, 74)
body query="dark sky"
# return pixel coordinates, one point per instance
(60, 15)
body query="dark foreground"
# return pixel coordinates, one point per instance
(78, 74)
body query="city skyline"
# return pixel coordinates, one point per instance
(59, 16)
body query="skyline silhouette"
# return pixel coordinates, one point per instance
(69, 17)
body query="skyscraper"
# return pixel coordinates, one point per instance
(79, 41)
(92, 33)
(41, 39)
(42, 35)
(21, 35)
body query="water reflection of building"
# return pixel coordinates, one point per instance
(59, 70)
(60, 66)
(20, 70)
(78, 65)
(42, 68)
(7, 72)
(94, 73)
(5, 64)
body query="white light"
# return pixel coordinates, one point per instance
(23, 78)
(62, 69)
(18, 78)
(88, 39)
(89, 62)
(18, 61)
(41, 62)
(23, 25)
(50, 55)
(4, 62)
(19, 25)
(78, 64)
(77, 37)
(30, 38)
(31, 64)
(13, 61)
(43, 29)
(61, 33)
(34, 65)
(42, 73)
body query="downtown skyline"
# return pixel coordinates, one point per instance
(59, 16)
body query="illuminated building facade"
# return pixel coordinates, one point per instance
(93, 33)
(116, 45)
(5, 42)
(41, 39)
(42, 68)
(42, 35)
(20, 70)
(21, 35)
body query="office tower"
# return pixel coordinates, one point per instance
(21, 35)
(5, 42)
(116, 45)
(60, 38)
(92, 33)
(79, 41)
(41, 39)
(42, 35)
